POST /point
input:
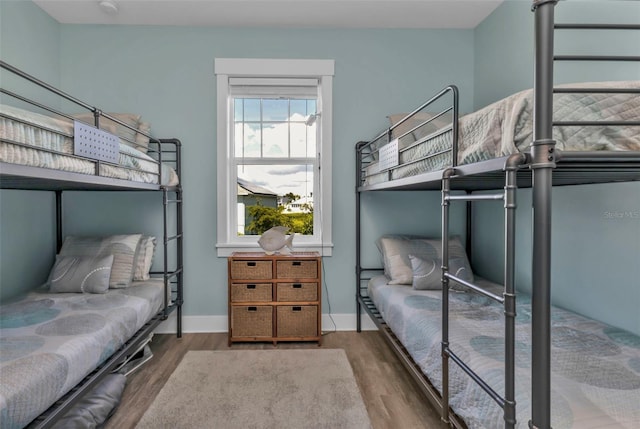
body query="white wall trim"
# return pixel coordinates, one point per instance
(239, 67)
(212, 324)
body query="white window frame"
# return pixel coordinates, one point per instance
(228, 68)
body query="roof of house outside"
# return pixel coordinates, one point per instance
(252, 188)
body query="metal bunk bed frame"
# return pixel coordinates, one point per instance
(540, 169)
(22, 177)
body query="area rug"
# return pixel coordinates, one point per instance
(260, 389)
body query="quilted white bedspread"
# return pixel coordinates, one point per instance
(44, 132)
(595, 370)
(506, 127)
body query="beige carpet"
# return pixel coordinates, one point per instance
(260, 389)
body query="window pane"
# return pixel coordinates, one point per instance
(274, 195)
(237, 110)
(311, 107)
(247, 140)
(276, 140)
(251, 109)
(298, 108)
(303, 140)
(275, 109)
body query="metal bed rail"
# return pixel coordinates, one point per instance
(371, 152)
(155, 152)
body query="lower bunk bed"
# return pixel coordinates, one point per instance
(595, 367)
(50, 342)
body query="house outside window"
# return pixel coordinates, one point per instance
(274, 131)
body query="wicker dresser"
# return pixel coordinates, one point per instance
(275, 297)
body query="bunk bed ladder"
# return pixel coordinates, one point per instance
(508, 298)
(175, 276)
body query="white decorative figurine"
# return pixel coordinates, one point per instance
(275, 240)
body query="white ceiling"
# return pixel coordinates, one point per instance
(277, 13)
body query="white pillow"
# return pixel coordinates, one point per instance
(113, 127)
(143, 262)
(418, 120)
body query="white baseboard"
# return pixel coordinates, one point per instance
(205, 324)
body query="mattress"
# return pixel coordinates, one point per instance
(50, 342)
(506, 127)
(43, 133)
(595, 373)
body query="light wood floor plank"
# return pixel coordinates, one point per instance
(390, 395)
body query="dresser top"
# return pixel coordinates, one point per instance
(292, 255)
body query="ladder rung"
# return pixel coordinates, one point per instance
(173, 237)
(475, 377)
(596, 58)
(475, 288)
(480, 197)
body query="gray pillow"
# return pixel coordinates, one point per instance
(427, 273)
(124, 249)
(80, 274)
(459, 267)
(95, 407)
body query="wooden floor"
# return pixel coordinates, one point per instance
(391, 396)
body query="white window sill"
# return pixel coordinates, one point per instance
(226, 249)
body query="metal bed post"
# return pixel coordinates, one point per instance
(180, 262)
(59, 214)
(542, 165)
(446, 191)
(509, 294)
(179, 237)
(359, 147)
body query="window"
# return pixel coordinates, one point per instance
(274, 130)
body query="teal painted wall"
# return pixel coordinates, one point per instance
(504, 46)
(29, 39)
(596, 228)
(166, 73)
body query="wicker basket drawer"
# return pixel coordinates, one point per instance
(252, 321)
(251, 270)
(297, 292)
(297, 269)
(297, 321)
(251, 292)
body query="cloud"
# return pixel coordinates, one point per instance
(289, 169)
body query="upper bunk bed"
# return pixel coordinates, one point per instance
(42, 148)
(596, 130)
